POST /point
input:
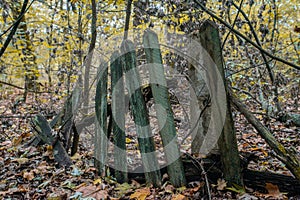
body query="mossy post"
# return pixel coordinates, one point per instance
(118, 118)
(163, 108)
(209, 38)
(101, 120)
(140, 114)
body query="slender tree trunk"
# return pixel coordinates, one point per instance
(89, 58)
(26, 50)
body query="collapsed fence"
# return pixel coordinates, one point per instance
(110, 119)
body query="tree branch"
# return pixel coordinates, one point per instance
(245, 37)
(232, 24)
(15, 27)
(271, 73)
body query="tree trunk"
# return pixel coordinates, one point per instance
(26, 51)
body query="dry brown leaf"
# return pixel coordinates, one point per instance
(135, 184)
(55, 196)
(169, 188)
(3, 193)
(28, 175)
(140, 194)
(17, 140)
(273, 190)
(42, 167)
(23, 188)
(179, 197)
(93, 191)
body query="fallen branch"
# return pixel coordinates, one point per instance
(252, 179)
(287, 157)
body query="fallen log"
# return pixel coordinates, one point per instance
(255, 180)
(286, 156)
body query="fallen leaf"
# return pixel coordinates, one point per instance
(97, 181)
(123, 189)
(76, 172)
(79, 186)
(76, 156)
(135, 184)
(3, 193)
(44, 184)
(169, 188)
(21, 160)
(221, 184)
(55, 196)
(22, 188)
(28, 175)
(6, 143)
(179, 197)
(247, 197)
(93, 191)
(17, 140)
(181, 189)
(237, 188)
(273, 190)
(140, 194)
(68, 184)
(42, 167)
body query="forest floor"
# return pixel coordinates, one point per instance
(31, 172)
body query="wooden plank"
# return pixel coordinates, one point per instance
(42, 127)
(140, 115)
(101, 137)
(209, 38)
(118, 118)
(163, 108)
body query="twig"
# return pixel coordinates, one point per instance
(21, 88)
(14, 27)
(197, 122)
(247, 93)
(295, 47)
(271, 73)
(232, 24)
(203, 173)
(14, 24)
(12, 85)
